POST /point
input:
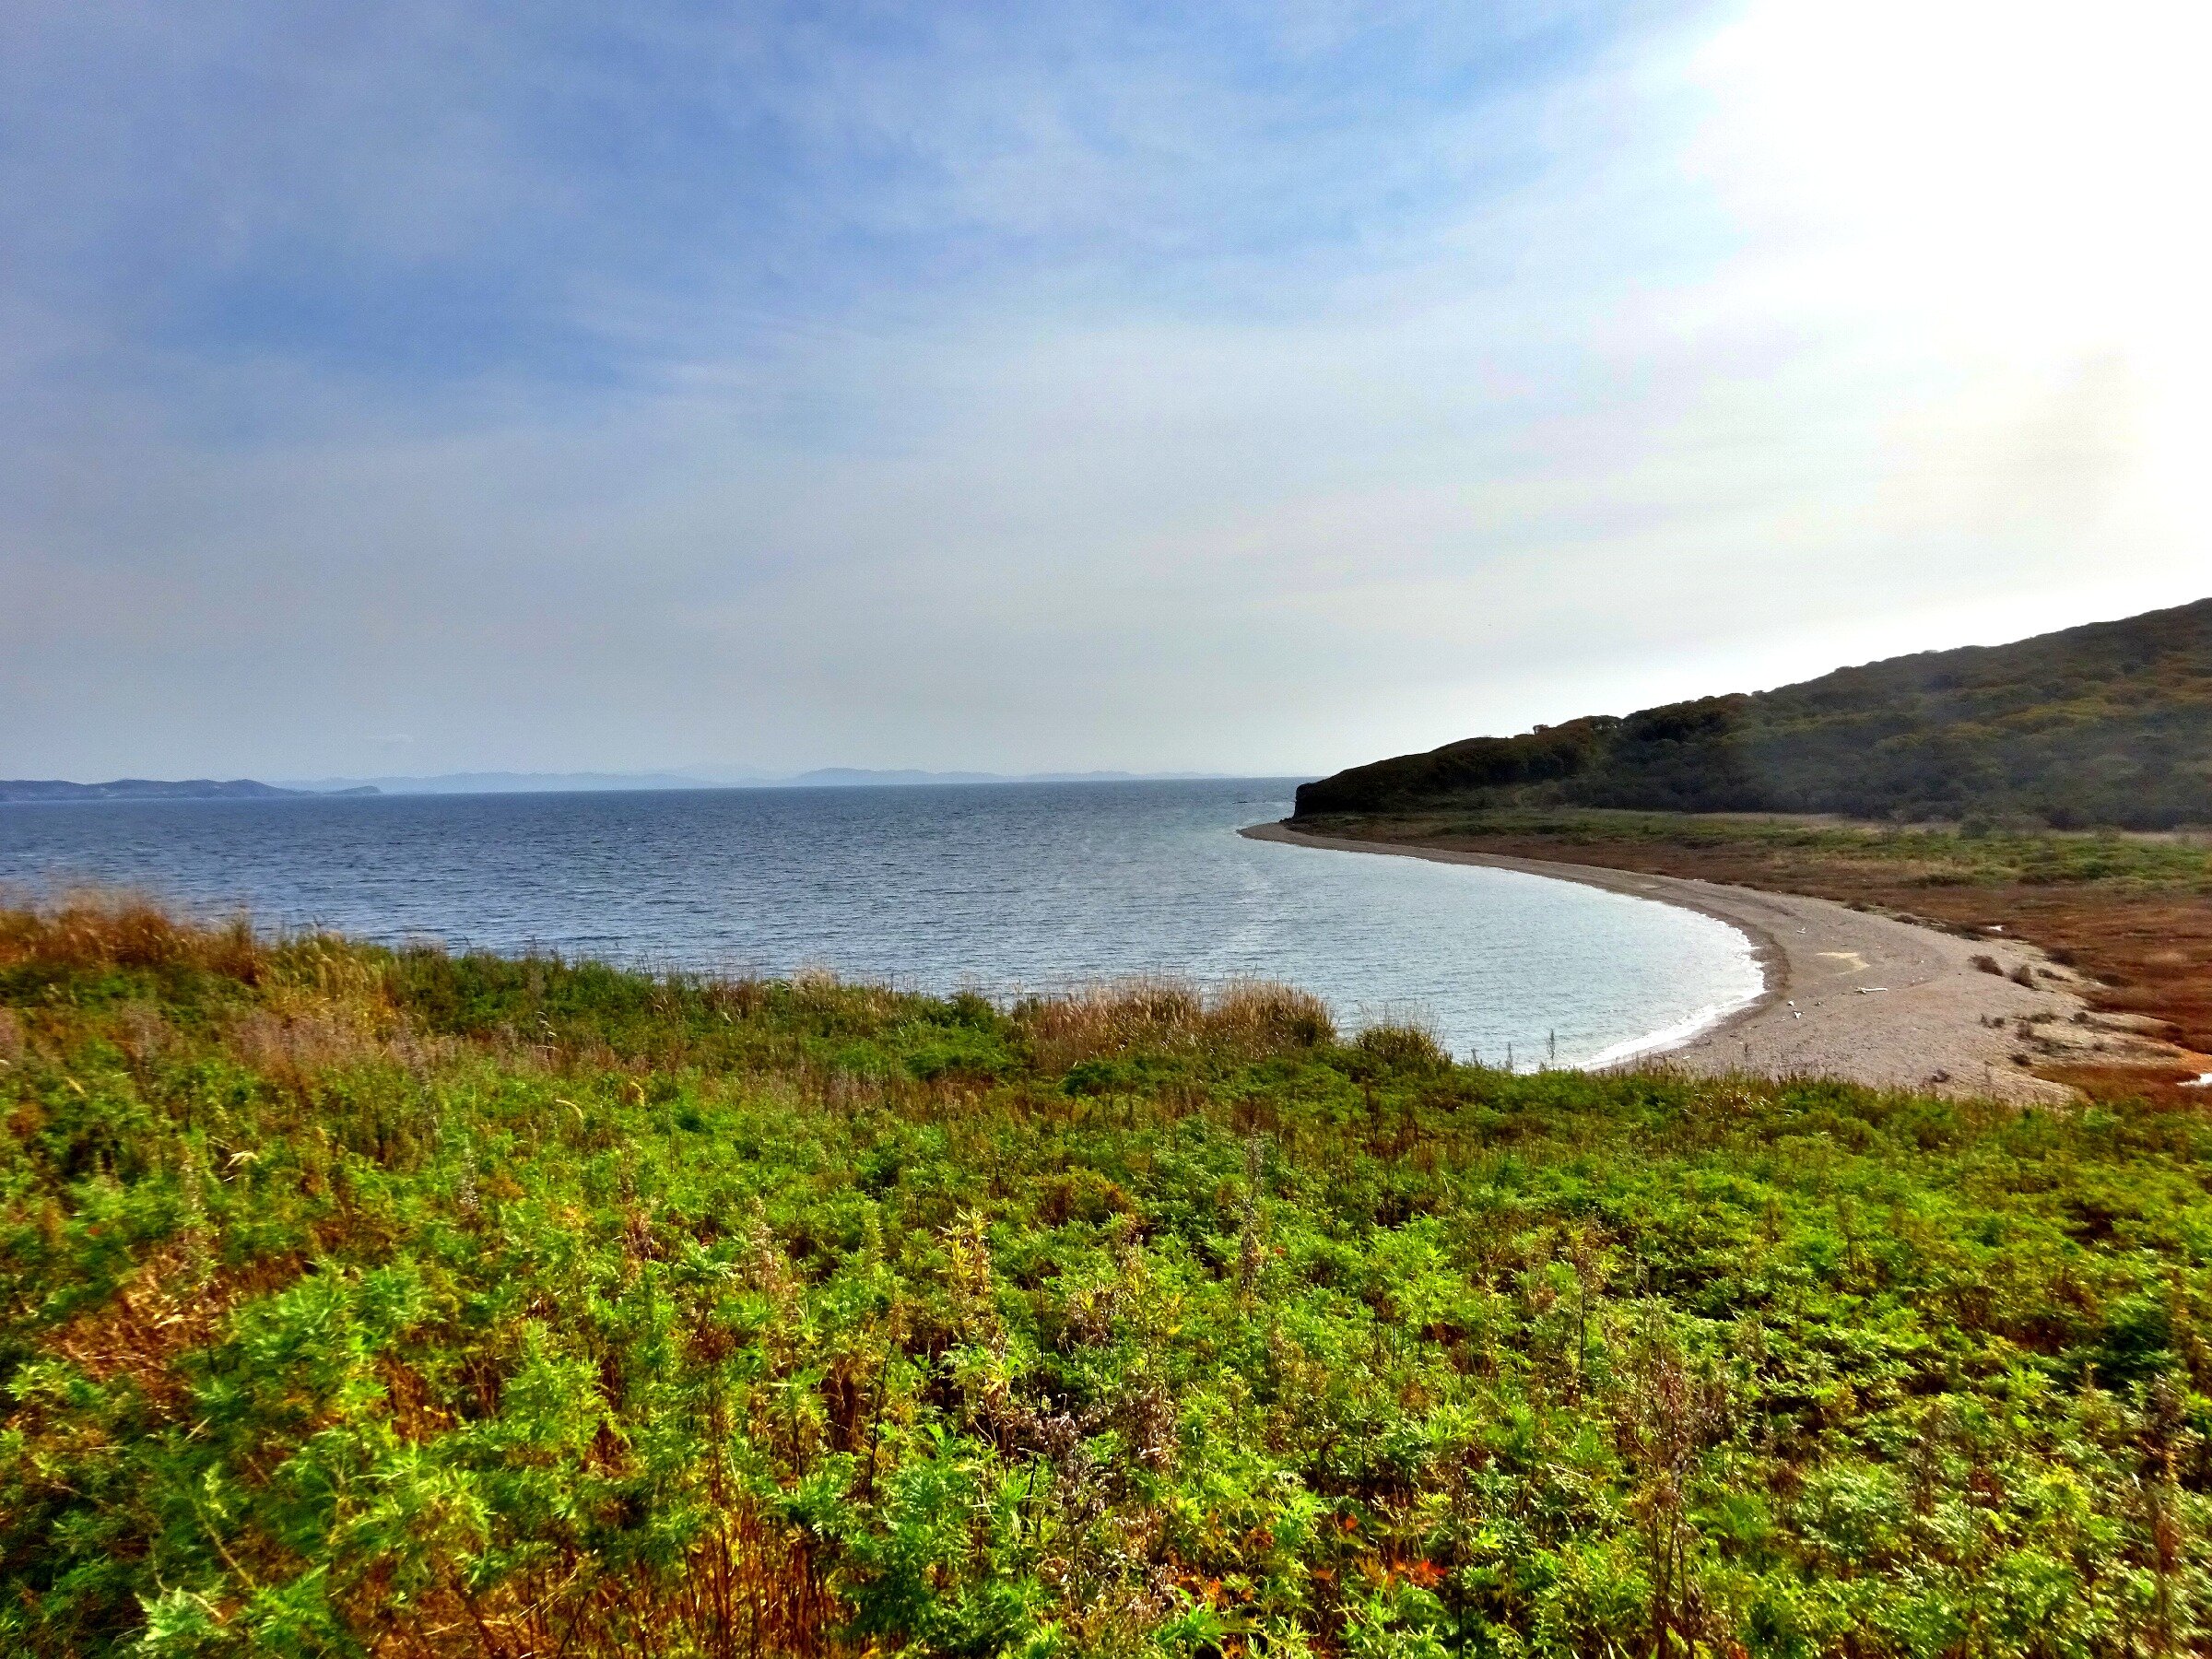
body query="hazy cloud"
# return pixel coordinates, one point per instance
(1059, 387)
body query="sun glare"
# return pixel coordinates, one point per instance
(2016, 191)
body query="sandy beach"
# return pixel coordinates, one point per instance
(1848, 994)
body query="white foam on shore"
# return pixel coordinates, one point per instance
(1669, 1037)
(1697, 1024)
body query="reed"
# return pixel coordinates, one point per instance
(1247, 1017)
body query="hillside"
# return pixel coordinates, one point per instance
(2105, 724)
(358, 1302)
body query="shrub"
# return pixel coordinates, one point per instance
(355, 1302)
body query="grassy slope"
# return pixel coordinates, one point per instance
(413, 1304)
(2109, 724)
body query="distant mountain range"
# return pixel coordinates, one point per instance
(246, 789)
(156, 789)
(2110, 724)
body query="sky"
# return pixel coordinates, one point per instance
(395, 387)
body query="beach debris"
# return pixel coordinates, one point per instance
(1870, 990)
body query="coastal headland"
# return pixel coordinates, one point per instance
(1850, 994)
(1937, 818)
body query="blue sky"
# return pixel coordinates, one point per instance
(411, 387)
(580, 199)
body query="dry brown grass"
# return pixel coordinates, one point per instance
(173, 1303)
(1403, 1043)
(296, 1045)
(751, 1590)
(324, 1005)
(1247, 1016)
(89, 929)
(317, 1003)
(1263, 1016)
(321, 1005)
(818, 989)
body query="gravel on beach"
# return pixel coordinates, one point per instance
(1850, 993)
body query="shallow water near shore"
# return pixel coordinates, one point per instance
(1002, 886)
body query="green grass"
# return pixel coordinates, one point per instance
(404, 1303)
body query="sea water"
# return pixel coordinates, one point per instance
(1003, 888)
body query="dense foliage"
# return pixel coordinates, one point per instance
(360, 1301)
(2110, 724)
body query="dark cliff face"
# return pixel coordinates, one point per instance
(2105, 724)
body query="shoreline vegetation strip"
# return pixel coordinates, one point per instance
(362, 1302)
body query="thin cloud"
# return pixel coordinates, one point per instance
(1074, 389)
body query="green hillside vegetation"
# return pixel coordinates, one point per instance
(2106, 725)
(360, 1301)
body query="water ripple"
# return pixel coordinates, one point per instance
(1037, 886)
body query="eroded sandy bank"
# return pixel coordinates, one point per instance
(1848, 994)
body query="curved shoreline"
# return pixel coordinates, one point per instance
(1848, 994)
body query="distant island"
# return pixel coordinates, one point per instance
(156, 789)
(510, 782)
(2105, 724)
(824, 777)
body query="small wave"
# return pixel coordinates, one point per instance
(1668, 1037)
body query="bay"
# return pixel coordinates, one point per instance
(1003, 888)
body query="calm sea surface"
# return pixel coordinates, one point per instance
(1001, 887)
